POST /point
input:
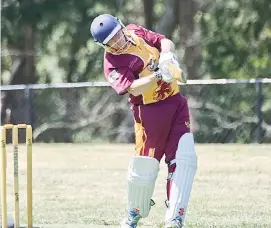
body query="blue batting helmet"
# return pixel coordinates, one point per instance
(104, 27)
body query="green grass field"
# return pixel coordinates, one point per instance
(85, 185)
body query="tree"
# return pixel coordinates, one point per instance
(28, 32)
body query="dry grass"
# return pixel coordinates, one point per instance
(85, 184)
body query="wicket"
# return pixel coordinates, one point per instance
(15, 136)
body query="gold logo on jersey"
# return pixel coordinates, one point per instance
(163, 91)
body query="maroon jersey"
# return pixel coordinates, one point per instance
(123, 68)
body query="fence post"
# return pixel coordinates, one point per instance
(28, 95)
(259, 130)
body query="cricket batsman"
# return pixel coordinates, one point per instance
(142, 63)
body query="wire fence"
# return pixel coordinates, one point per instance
(222, 111)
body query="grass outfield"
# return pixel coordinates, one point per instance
(85, 185)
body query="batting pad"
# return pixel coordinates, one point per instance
(142, 174)
(182, 178)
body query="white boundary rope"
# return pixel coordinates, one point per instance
(105, 84)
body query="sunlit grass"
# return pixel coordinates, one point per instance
(85, 184)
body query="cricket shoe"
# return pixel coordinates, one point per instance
(132, 220)
(175, 223)
(133, 217)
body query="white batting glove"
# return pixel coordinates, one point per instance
(168, 62)
(168, 57)
(163, 75)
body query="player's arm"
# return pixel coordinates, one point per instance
(122, 80)
(161, 42)
(167, 45)
(139, 86)
(169, 61)
(166, 48)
